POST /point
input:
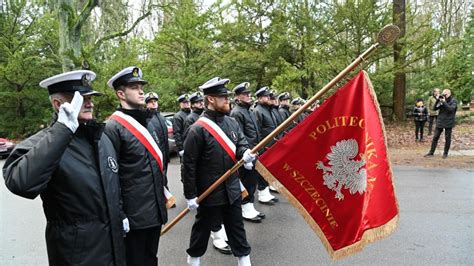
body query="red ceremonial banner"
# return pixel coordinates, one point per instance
(333, 167)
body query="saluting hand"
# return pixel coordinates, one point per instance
(68, 112)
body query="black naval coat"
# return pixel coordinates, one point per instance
(178, 127)
(76, 177)
(190, 119)
(284, 112)
(447, 113)
(265, 119)
(205, 160)
(276, 115)
(141, 179)
(159, 123)
(248, 123)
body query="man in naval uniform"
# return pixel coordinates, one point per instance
(248, 124)
(140, 167)
(218, 233)
(213, 145)
(178, 122)
(72, 165)
(159, 122)
(266, 122)
(284, 108)
(197, 107)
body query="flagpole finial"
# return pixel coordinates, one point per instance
(388, 34)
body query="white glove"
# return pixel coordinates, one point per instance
(248, 165)
(126, 225)
(248, 156)
(68, 112)
(181, 152)
(192, 204)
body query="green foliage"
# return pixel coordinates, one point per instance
(27, 47)
(289, 45)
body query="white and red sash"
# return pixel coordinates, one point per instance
(141, 133)
(145, 138)
(224, 141)
(219, 135)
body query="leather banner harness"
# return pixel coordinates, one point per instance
(142, 135)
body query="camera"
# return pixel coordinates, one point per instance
(442, 96)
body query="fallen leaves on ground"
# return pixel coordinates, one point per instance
(404, 150)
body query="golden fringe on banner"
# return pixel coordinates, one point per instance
(377, 106)
(368, 236)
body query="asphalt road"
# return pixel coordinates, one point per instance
(436, 227)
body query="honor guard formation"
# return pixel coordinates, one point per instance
(104, 186)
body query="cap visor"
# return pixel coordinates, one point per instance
(226, 93)
(137, 80)
(91, 93)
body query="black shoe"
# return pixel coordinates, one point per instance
(261, 215)
(275, 200)
(256, 219)
(445, 156)
(226, 250)
(428, 155)
(173, 206)
(271, 202)
(273, 190)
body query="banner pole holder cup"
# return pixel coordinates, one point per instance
(387, 35)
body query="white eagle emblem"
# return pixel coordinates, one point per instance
(344, 170)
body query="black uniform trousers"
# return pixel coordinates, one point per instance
(447, 138)
(231, 215)
(262, 183)
(249, 179)
(142, 246)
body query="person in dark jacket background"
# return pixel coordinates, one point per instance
(296, 104)
(274, 107)
(267, 122)
(284, 108)
(420, 115)
(447, 106)
(159, 122)
(248, 124)
(197, 107)
(81, 195)
(141, 176)
(205, 160)
(178, 122)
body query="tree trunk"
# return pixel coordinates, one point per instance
(399, 57)
(65, 35)
(70, 26)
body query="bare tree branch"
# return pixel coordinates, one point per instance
(123, 33)
(85, 13)
(99, 42)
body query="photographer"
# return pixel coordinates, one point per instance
(447, 106)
